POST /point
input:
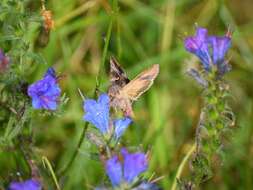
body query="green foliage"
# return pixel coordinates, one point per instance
(142, 33)
(215, 121)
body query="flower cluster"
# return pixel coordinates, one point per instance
(97, 113)
(45, 93)
(211, 50)
(216, 117)
(123, 169)
(30, 184)
(133, 165)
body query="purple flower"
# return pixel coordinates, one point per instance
(120, 126)
(4, 61)
(45, 92)
(30, 184)
(114, 170)
(132, 166)
(219, 46)
(211, 50)
(198, 45)
(97, 113)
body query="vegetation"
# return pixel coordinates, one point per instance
(139, 34)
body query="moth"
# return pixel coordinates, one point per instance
(123, 92)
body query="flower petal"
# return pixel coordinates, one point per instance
(198, 45)
(30, 184)
(50, 72)
(114, 170)
(134, 165)
(97, 113)
(120, 126)
(220, 46)
(45, 92)
(36, 103)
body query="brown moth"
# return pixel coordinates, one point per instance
(123, 92)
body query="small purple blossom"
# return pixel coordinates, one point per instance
(219, 46)
(30, 184)
(198, 45)
(120, 126)
(211, 50)
(45, 93)
(132, 166)
(114, 170)
(98, 114)
(4, 61)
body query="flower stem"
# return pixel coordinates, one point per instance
(105, 50)
(99, 78)
(47, 164)
(182, 165)
(80, 142)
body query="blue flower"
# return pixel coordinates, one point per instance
(30, 184)
(211, 50)
(97, 113)
(120, 126)
(132, 166)
(198, 45)
(219, 46)
(45, 93)
(50, 72)
(114, 170)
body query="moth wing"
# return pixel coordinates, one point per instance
(117, 74)
(141, 83)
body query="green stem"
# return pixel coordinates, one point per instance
(105, 50)
(47, 164)
(80, 142)
(99, 77)
(181, 166)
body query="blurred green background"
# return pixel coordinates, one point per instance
(145, 32)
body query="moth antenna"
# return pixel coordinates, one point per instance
(81, 94)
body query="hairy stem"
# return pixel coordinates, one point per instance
(181, 166)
